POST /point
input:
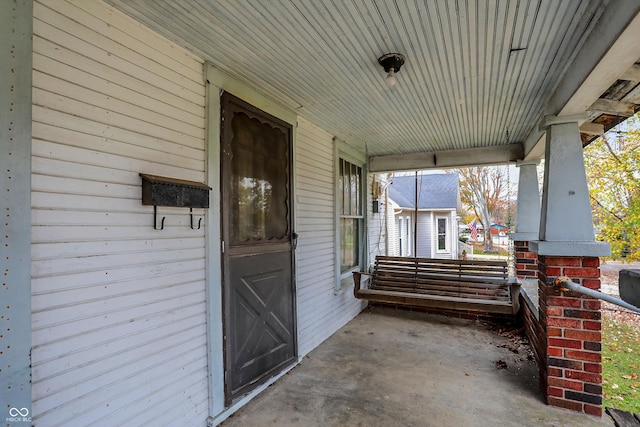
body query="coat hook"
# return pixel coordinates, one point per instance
(155, 219)
(199, 221)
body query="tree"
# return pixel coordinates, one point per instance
(612, 163)
(486, 191)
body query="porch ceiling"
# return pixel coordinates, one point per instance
(474, 70)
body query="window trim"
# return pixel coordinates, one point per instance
(447, 245)
(343, 152)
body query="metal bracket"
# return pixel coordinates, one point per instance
(155, 219)
(199, 221)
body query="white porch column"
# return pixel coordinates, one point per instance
(528, 206)
(16, 50)
(568, 335)
(566, 222)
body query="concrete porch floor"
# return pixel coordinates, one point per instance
(399, 368)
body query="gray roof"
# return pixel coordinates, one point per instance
(436, 191)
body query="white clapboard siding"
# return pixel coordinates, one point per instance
(376, 222)
(391, 228)
(118, 308)
(426, 221)
(140, 108)
(320, 310)
(50, 51)
(91, 40)
(50, 151)
(48, 251)
(54, 122)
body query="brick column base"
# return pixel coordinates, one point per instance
(572, 377)
(526, 262)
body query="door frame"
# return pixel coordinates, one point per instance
(250, 249)
(217, 81)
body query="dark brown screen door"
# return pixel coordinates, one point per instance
(259, 303)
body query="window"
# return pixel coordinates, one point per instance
(404, 236)
(442, 234)
(351, 215)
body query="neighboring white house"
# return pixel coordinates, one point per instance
(438, 207)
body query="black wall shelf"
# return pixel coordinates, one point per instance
(173, 192)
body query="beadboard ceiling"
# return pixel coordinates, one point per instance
(477, 73)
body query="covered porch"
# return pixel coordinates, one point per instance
(396, 367)
(107, 319)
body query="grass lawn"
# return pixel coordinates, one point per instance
(621, 364)
(478, 249)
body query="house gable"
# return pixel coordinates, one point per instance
(438, 199)
(435, 191)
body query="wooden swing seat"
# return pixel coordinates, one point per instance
(470, 285)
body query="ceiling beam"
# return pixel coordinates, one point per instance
(611, 49)
(609, 52)
(484, 156)
(632, 74)
(616, 108)
(557, 120)
(591, 128)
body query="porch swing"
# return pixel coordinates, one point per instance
(474, 286)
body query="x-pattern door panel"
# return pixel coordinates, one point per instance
(261, 330)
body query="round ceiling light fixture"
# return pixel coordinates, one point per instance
(391, 62)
